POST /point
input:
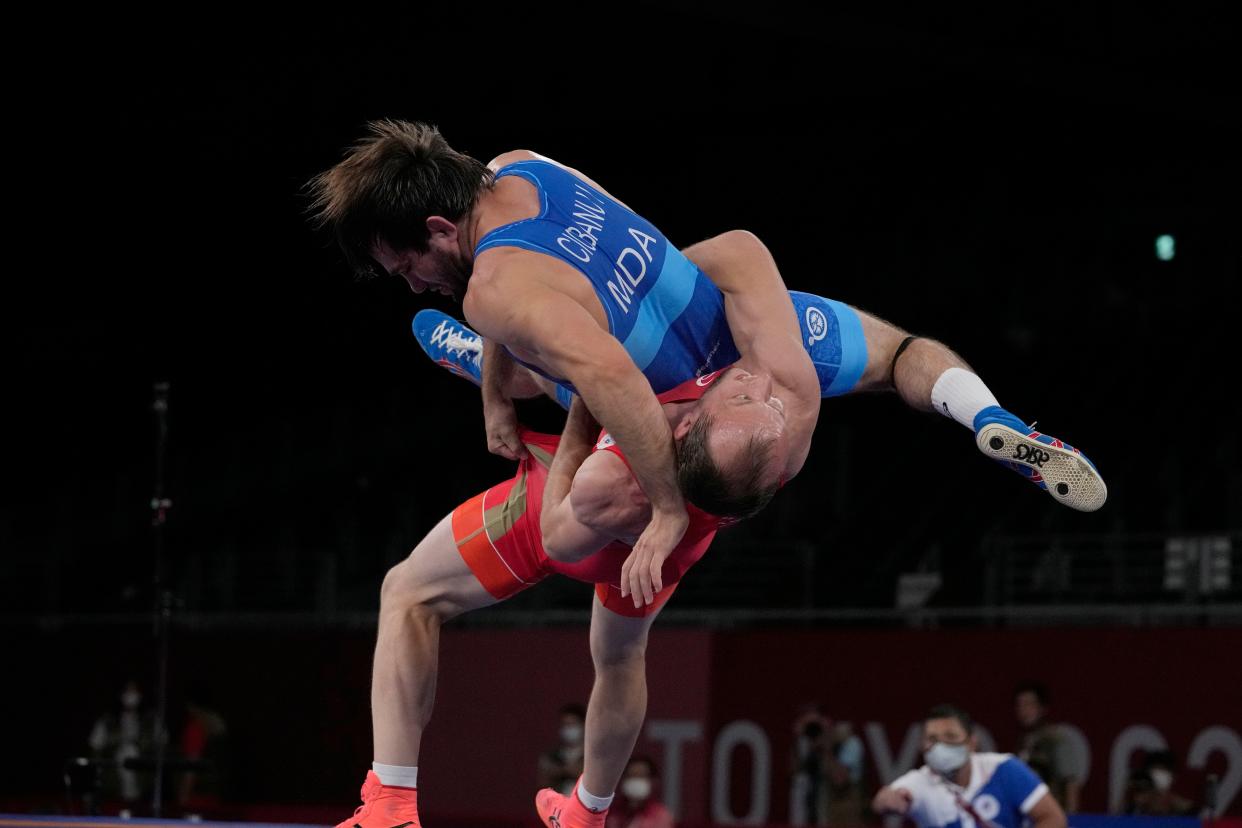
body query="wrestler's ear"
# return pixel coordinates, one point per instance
(442, 227)
(686, 423)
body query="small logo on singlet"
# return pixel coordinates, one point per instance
(817, 324)
(605, 442)
(707, 379)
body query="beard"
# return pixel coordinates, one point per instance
(454, 277)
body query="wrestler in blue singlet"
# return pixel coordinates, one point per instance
(666, 312)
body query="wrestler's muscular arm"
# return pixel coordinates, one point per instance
(510, 302)
(590, 499)
(500, 418)
(499, 415)
(764, 326)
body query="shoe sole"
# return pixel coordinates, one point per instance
(1069, 478)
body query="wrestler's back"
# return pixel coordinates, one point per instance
(665, 312)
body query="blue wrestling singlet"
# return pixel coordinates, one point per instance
(660, 307)
(664, 310)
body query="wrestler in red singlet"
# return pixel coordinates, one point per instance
(498, 535)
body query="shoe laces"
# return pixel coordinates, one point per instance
(451, 339)
(370, 792)
(458, 345)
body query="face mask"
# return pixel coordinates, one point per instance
(636, 789)
(944, 759)
(571, 734)
(1162, 779)
(131, 700)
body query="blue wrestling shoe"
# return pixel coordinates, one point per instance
(450, 343)
(1056, 467)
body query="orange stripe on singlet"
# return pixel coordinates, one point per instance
(478, 552)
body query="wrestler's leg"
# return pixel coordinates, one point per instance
(615, 712)
(856, 351)
(618, 702)
(429, 587)
(418, 595)
(922, 362)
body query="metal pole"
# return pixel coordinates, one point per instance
(163, 597)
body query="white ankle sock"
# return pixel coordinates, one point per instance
(961, 395)
(396, 775)
(591, 801)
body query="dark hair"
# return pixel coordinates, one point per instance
(574, 709)
(398, 175)
(951, 711)
(739, 493)
(1037, 689)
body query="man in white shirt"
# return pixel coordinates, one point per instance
(959, 788)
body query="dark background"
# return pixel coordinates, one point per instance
(992, 178)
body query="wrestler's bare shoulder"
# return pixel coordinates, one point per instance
(514, 156)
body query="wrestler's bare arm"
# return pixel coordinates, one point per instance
(563, 535)
(511, 302)
(589, 499)
(764, 325)
(606, 496)
(604, 504)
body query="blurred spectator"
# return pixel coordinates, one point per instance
(636, 805)
(1138, 785)
(1150, 792)
(560, 767)
(124, 732)
(204, 737)
(845, 770)
(808, 784)
(827, 768)
(957, 785)
(1042, 744)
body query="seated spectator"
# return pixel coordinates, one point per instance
(124, 732)
(1157, 797)
(845, 769)
(560, 767)
(637, 805)
(826, 768)
(1042, 744)
(808, 784)
(204, 738)
(1138, 785)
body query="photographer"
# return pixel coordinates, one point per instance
(826, 771)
